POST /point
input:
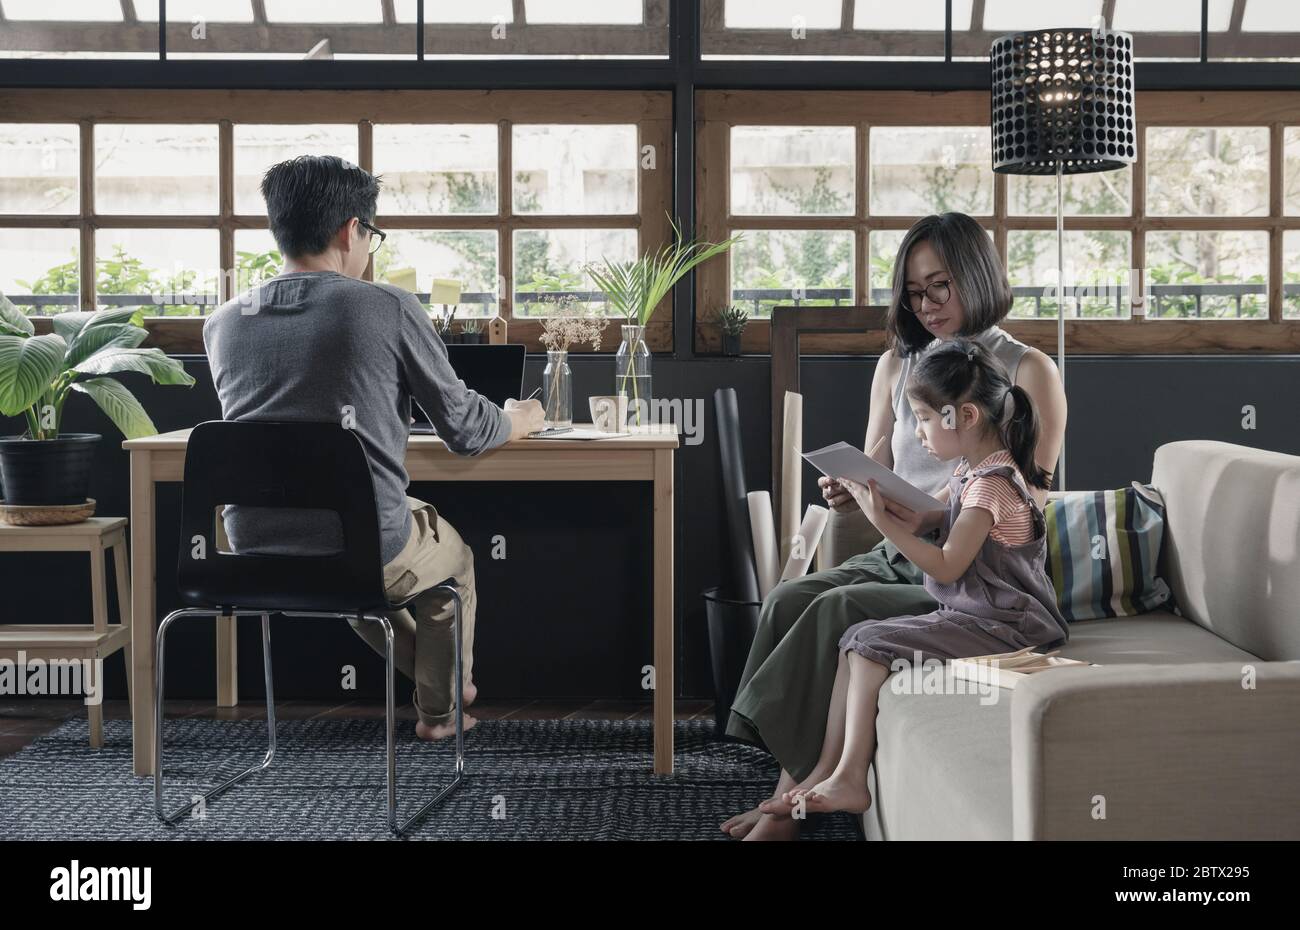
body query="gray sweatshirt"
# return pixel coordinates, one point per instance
(320, 346)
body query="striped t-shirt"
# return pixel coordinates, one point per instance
(1013, 520)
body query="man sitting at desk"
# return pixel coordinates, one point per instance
(317, 343)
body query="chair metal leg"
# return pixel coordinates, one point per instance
(399, 829)
(158, 716)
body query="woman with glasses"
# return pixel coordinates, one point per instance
(948, 282)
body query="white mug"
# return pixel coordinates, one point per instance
(609, 413)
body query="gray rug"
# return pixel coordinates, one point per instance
(526, 780)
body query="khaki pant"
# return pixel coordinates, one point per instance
(423, 648)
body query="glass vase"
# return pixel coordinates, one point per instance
(557, 389)
(632, 374)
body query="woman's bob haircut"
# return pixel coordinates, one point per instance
(968, 255)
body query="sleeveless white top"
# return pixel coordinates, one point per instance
(911, 461)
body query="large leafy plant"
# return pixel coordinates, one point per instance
(38, 372)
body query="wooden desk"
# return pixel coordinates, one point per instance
(644, 455)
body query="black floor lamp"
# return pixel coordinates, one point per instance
(1062, 103)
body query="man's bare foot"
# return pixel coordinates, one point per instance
(442, 730)
(837, 793)
(468, 693)
(770, 828)
(740, 825)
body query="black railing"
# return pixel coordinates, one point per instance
(1161, 295)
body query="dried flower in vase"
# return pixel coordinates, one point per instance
(560, 332)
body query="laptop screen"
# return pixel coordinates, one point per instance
(496, 372)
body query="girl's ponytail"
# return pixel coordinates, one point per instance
(1019, 428)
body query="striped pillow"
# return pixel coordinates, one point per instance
(1102, 552)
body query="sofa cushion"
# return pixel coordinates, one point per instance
(1154, 638)
(943, 762)
(1232, 542)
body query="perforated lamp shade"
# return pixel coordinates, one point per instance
(1062, 97)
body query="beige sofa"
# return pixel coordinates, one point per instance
(1165, 742)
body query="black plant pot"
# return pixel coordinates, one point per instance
(47, 471)
(732, 625)
(476, 339)
(453, 339)
(731, 343)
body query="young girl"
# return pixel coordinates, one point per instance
(986, 570)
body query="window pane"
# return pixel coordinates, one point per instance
(627, 12)
(550, 266)
(38, 168)
(171, 272)
(455, 11)
(579, 169)
(488, 29)
(1291, 171)
(811, 267)
(1168, 30)
(259, 147)
(791, 170)
(156, 169)
(437, 168)
(76, 29)
(917, 170)
(293, 30)
(782, 14)
(1207, 274)
(39, 272)
(257, 258)
(1096, 273)
(465, 255)
(1207, 171)
(1097, 193)
(191, 12)
(1291, 274)
(1269, 31)
(882, 248)
(1023, 15)
(817, 30)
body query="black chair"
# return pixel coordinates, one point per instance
(292, 465)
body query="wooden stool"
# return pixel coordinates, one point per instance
(94, 641)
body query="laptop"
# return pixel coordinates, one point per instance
(496, 372)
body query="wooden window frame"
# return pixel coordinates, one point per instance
(650, 111)
(718, 111)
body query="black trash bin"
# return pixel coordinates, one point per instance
(732, 625)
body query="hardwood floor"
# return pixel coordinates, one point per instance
(21, 722)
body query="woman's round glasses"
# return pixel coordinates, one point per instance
(938, 292)
(377, 236)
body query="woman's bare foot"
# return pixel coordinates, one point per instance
(739, 826)
(771, 828)
(837, 793)
(442, 730)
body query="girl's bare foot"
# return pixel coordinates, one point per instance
(442, 730)
(838, 793)
(739, 826)
(783, 805)
(770, 828)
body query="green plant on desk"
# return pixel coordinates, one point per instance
(636, 288)
(37, 373)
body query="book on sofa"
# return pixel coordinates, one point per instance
(1007, 669)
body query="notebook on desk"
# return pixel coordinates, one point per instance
(496, 372)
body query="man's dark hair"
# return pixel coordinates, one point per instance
(309, 197)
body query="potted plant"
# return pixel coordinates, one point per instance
(44, 466)
(635, 289)
(471, 331)
(732, 319)
(442, 325)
